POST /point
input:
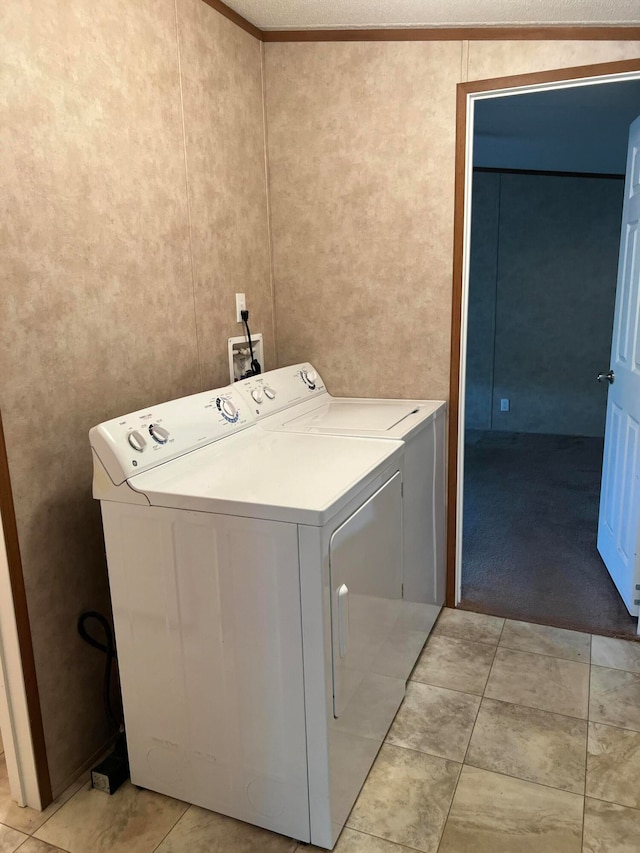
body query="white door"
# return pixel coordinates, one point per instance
(619, 520)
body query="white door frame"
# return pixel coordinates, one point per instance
(457, 430)
(14, 713)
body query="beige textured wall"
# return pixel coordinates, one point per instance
(225, 144)
(361, 160)
(118, 275)
(487, 59)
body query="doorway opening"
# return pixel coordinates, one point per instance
(510, 551)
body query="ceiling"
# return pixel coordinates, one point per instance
(338, 14)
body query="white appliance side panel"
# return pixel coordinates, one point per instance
(440, 506)
(342, 750)
(419, 517)
(208, 631)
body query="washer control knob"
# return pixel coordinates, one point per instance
(159, 433)
(227, 409)
(309, 378)
(257, 395)
(269, 392)
(136, 441)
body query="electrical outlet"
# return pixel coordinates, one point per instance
(504, 404)
(241, 305)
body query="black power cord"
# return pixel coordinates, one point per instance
(255, 364)
(108, 648)
(114, 770)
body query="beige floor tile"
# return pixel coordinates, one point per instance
(613, 765)
(615, 698)
(466, 625)
(533, 745)
(435, 720)
(609, 828)
(496, 814)
(27, 819)
(544, 640)
(202, 831)
(455, 664)
(351, 841)
(131, 821)
(10, 839)
(539, 681)
(406, 798)
(616, 654)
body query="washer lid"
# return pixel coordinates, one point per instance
(277, 476)
(364, 416)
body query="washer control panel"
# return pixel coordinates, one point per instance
(141, 440)
(278, 389)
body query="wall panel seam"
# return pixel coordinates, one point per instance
(495, 302)
(188, 199)
(464, 61)
(267, 178)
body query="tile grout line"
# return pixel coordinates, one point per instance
(614, 803)
(493, 662)
(32, 834)
(441, 687)
(176, 822)
(542, 654)
(418, 752)
(586, 749)
(398, 844)
(526, 781)
(462, 766)
(453, 796)
(541, 710)
(31, 837)
(473, 728)
(443, 636)
(612, 726)
(602, 722)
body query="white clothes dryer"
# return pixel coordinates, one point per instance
(256, 589)
(295, 399)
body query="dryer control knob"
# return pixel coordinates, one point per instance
(159, 433)
(257, 395)
(136, 441)
(270, 393)
(228, 409)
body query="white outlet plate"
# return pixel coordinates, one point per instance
(241, 305)
(504, 404)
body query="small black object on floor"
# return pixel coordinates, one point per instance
(113, 771)
(530, 530)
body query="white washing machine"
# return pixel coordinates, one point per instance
(295, 399)
(256, 585)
